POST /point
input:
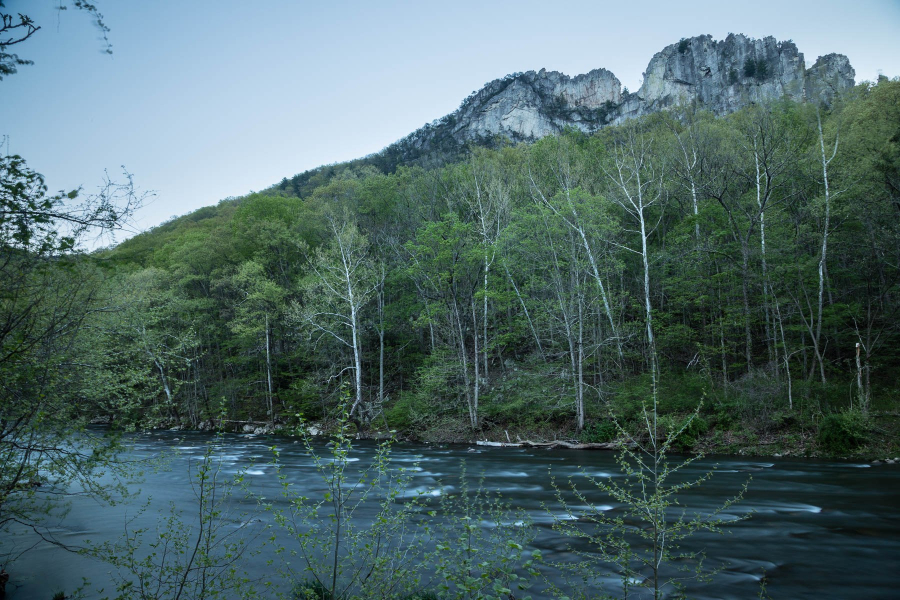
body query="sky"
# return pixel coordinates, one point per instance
(203, 100)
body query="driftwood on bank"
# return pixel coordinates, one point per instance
(552, 445)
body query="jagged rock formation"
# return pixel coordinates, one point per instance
(724, 76)
(721, 76)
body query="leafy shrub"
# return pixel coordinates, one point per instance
(529, 395)
(758, 399)
(406, 412)
(599, 433)
(311, 590)
(842, 433)
(725, 413)
(678, 393)
(691, 428)
(758, 69)
(305, 398)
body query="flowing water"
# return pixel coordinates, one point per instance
(817, 529)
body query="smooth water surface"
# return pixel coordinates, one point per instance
(816, 530)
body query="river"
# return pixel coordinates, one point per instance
(816, 529)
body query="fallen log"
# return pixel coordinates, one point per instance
(551, 445)
(497, 444)
(572, 445)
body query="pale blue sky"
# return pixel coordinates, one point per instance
(207, 99)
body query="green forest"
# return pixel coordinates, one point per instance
(747, 265)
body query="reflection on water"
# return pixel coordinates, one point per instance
(817, 530)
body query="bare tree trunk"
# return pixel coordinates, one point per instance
(477, 378)
(859, 380)
(381, 343)
(484, 323)
(165, 381)
(785, 355)
(357, 354)
(654, 372)
(770, 342)
(579, 388)
(824, 256)
(599, 280)
(270, 404)
(473, 415)
(745, 275)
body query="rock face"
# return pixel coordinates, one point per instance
(720, 76)
(521, 107)
(725, 76)
(531, 105)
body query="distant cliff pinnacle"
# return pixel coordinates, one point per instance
(720, 76)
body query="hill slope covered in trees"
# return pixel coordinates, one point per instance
(512, 290)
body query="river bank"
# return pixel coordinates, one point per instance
(875, 439)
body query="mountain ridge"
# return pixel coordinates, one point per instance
(722, 76)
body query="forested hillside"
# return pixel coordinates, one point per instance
(528, 288)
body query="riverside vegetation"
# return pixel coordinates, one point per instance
(511, 291)
(506, 293)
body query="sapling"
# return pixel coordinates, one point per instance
(333, 551)
(641, 539)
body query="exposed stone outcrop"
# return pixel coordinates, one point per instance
(721, 76)
(828, 77)
(521, 107)
(531, 105)
(725, 76)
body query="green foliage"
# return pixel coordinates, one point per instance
(687, 431)
(195, 555)
(49, 359)
(756, 68)
(679, 392)
(311, 590)
(598, 433)
(480, 546)
(750, 67)
(640, 540)
(530, 396)
(842, 433)
(408, 412)
(335, 553)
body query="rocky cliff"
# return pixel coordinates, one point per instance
(721, 76)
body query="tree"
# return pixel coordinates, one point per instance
(642, 538)
(196, 556)
(444, 264)
(334, 553)
(19, 28)
(635, 184)
(259, 303)
(340, 286)
(51, 292)
(560, 177)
